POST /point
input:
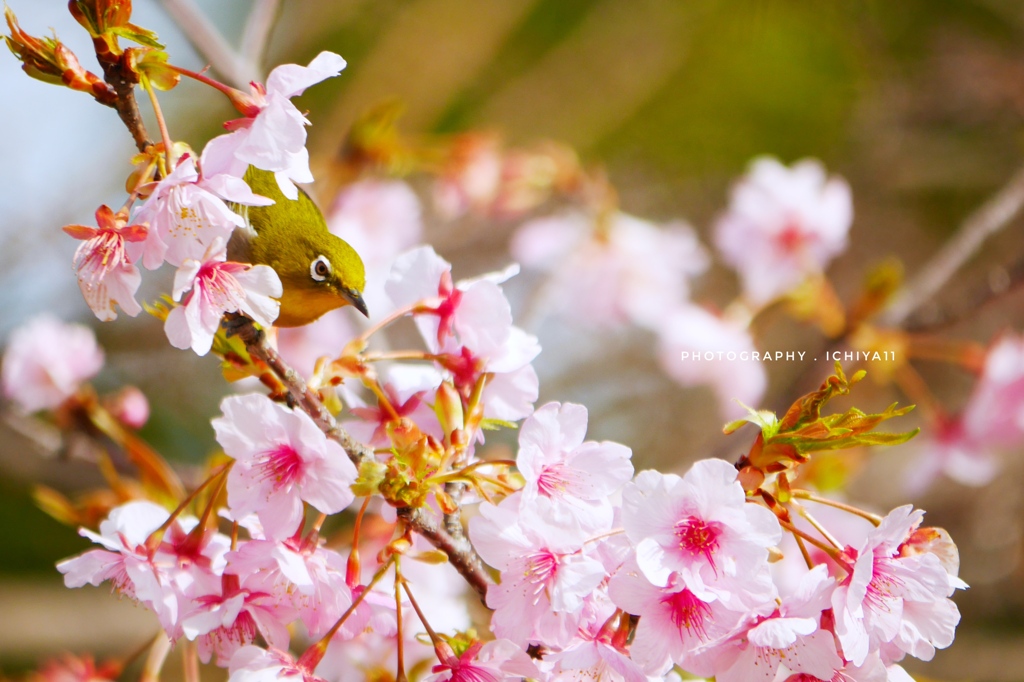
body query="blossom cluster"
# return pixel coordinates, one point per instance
(602, 574)
(186, 219)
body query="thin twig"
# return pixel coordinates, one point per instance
(210, 43)
(257, 30)
(987, 219)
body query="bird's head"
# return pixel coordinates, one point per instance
(319, 272)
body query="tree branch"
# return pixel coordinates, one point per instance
(211, 44)
(257, 31)
(125, 104)
(987, 219)
(459, 551)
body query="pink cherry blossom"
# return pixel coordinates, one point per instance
(966, 447)
(545, 572)
(557, 464)
(229, 618)
(216, 287)
(46, 361)
(282, 459)
(106, 271)
(468, 324)
(725, 361)
(495, 661)
(791, 636)
(305, 575)
(186, 212)
(273, 134)
(701, 527)
(892, 599)
(253, 664)
(627, 270)
(782, 225)
(410, 390)
(154, 578)
(674, 622)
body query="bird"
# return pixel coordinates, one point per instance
(319, 271)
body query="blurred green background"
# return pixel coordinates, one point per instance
(918, 103)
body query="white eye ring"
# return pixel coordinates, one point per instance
(320, 269)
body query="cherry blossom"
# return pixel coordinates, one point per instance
(408, 389)
(729, 370)
(107, 274)
(135, 571)
(782, 225)
(273, 134)
(545, 574)
(468, 325)
(215, 287)
(966, 447)
(494, 661)
(46, 361)
(187, 208)
(253, 664)
(282, 459)
(307, 576)
(791, 636)
(893, 599)
(674, 622)
(225, 620)
(622, 270)
(701, 527)
(557, 464)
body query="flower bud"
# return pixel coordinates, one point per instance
(129, 406)
(449, 408)
(49, 60)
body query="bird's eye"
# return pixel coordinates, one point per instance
(320, 269)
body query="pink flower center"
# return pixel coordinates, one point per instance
(283, 465)
(884, 587)
(791, 238)
(553, 480)
(452, 297)
(688, 612)
(219, 288)
(541, 569)
(98, 256)
(697, 537)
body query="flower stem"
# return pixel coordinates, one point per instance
(162, 123)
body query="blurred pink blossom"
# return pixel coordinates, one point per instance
(782, 225)
(46, 361)
(629, 270)
(966, 446)
(691, 329)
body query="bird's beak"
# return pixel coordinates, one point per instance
(356, 299)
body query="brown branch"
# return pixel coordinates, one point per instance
(459, 551)
(125, 104)
(303, 397)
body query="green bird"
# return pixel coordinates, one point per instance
(319, 271)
